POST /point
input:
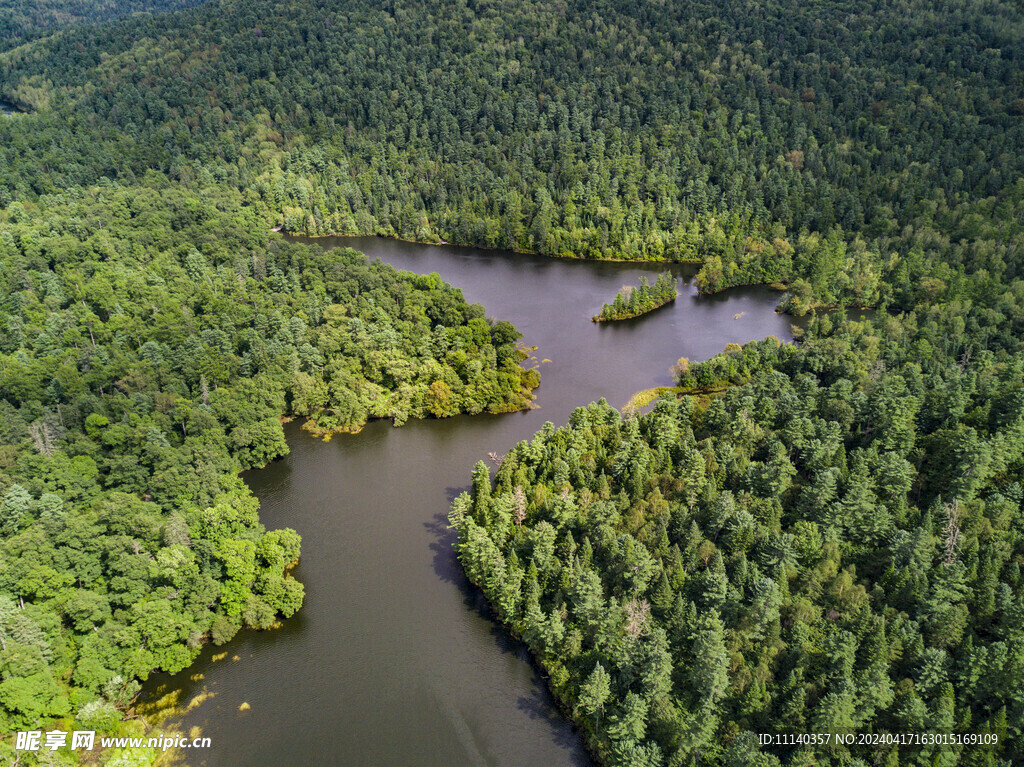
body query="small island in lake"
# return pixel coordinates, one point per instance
(632, 302)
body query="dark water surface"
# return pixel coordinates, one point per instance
(392, 660)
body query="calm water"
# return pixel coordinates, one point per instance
(393, 660)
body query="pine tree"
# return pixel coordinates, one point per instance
(481, 493)
(594, 693)
(710, 672)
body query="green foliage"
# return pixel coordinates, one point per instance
(792, 143)
(594, 692)
(833, 543)
(826, 547)
(22, 20)
(156, 339)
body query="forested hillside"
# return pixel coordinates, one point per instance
(777, 142)
(833, 545)
(21, 20)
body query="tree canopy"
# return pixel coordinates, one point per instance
(22, 20)
(832, 544)
(846, 147)
(632, 302)
(831, 547)
(154, 337)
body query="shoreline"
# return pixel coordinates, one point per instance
(609, 259)
(777, 286)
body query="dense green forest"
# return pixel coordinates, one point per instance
(833, 547)
(153, 337)
(832, 544)
(632, 302)
(21, 20)
(818, 144)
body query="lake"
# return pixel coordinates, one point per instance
(393, 659)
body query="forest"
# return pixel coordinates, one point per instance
(154, 338)
(833, 542)
(632, 302)
(832, 546)
(776, 142)
(22, 20)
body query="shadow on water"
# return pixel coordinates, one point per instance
(451, 493)
(538, 704)
(204, 676)
(275, 476)
(442, 544)
(539, 707)
(446, 566)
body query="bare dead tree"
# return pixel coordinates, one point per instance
(952, 531)
(637, 613)
(519, 506)
(965, 359)
(42, 437)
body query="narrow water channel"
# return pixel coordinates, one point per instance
(393, 660)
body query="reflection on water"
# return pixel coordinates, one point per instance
(393, 659)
